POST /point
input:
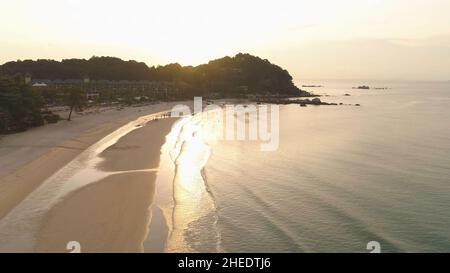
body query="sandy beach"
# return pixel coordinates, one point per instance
(28, 158)
(111, 215)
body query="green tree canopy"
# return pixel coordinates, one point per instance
(20, 105)
(228, 75)
(75, 98)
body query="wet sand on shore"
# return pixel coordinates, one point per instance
(113, 214)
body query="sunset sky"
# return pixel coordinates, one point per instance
(314, 40)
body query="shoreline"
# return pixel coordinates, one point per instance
(114, 214)
(73, 203)
(33, 156)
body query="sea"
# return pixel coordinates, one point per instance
(343, 177)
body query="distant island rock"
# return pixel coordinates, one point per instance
(312, 86)
(301, 102)
(364, 87)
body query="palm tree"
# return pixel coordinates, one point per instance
(76, 99)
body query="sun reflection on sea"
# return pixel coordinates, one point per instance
(192, 198)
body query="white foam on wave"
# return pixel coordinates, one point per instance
(190, 148)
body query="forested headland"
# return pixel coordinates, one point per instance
(227, 75)
(23, 106)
